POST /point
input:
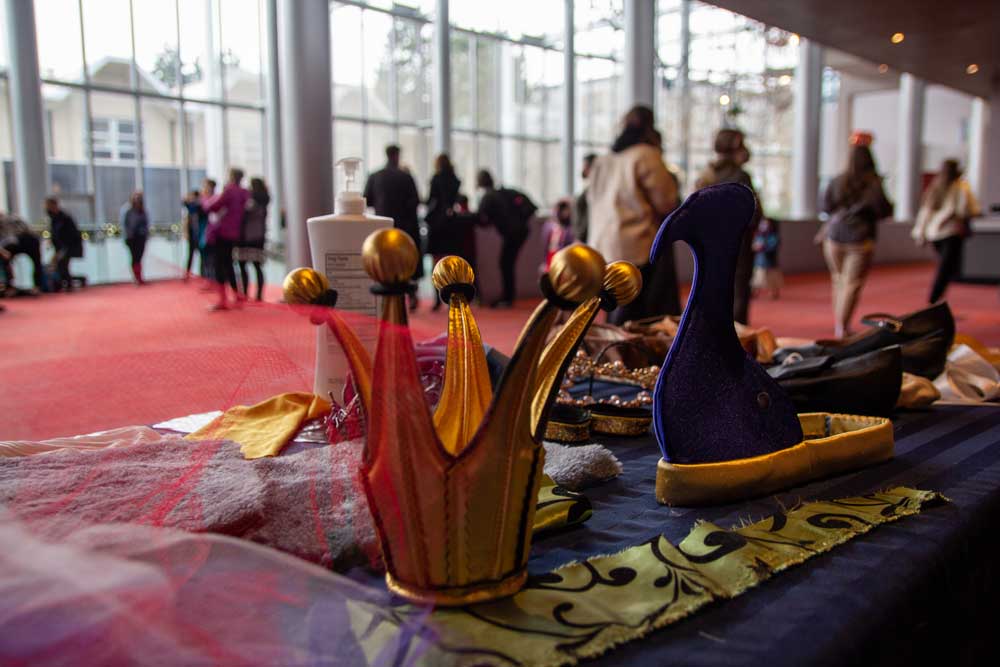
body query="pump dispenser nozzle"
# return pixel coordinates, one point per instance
(349, 200)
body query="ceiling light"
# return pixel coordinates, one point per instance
(883, 68)
(793, 39)
(784, 79)
(972, 69)
(724, 100)
(897, 37)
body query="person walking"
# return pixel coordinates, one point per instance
(392, 192)
(943, 221)
(195, 222)
(855, 202)
(629, 193)
(557, 232)
(767, 272)
(443, 237)
(254, 234)
(135, 229)
(67, 241)
(208, 186)
(510, 212)
(224, 233)
(580, 223)
(731, 153)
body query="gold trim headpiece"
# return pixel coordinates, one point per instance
(453, 493)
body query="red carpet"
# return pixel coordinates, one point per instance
(119, 355)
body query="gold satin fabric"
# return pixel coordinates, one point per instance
(832, 444)
(265, 428)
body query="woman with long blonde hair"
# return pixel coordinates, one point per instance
(943, 221)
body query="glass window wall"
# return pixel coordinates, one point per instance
(148, 95)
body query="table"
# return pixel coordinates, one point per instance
(917, 590)
(913, 591)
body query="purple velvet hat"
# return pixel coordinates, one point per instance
(713, 402)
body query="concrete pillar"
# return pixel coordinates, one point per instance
(442, 79)
(805, 132)
(640, 52)
(569, 100)
(28, 128)
(307, 127)
(909, 159)
(215, 123)
(990, 184)
(274, 152)
(509, 116)
(983, 169)
(684, 79)
(845, 125)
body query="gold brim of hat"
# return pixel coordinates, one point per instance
(458, 596)
(833, 444)
(567, 431)
(608, 423)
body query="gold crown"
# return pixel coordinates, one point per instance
(453, 493)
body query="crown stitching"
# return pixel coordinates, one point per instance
(447, 523)
(411, 498)
(466, 534)
(526, 509)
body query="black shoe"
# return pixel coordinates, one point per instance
(925, 337)
(868, 384)
(502, 303)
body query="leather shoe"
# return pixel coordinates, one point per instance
(868, 384)
(925, 337)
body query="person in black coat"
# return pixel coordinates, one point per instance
(443, 236)
(510, 212)
(66, 240)
(392, 192)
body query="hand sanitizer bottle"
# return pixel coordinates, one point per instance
(336, 241)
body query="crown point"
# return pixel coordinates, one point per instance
(304, 286)
(623, 280)
(452, 270)
(389, 256)
(577, 272)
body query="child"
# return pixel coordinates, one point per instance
(556, 232)
(766, 242)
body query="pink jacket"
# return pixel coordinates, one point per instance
(232, 202)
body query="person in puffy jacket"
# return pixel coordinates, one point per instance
(224, 232)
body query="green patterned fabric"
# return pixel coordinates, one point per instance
(585, 609)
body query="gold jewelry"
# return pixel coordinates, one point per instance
(583, 368)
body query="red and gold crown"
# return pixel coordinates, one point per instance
(453, 493)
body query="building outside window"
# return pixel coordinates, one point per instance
(740, 75)
(381, 63)
(144, 95)
(113, 139)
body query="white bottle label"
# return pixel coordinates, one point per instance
(336, 251)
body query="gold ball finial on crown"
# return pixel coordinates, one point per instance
(623, 281)
(304, 286)
(389, 256)
(576, 272)
(452, 270)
